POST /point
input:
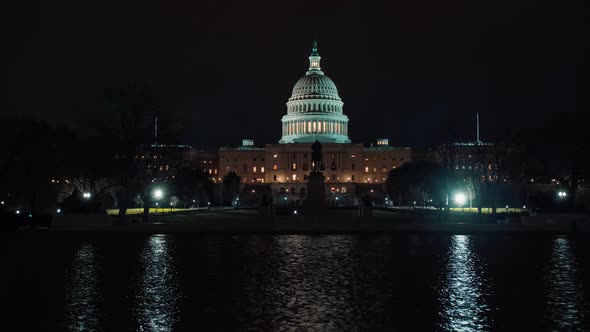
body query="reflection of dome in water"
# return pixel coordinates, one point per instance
(314, 111)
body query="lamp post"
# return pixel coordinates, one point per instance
(460, 199)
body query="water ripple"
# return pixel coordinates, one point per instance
(565, 296)
(464, 289)
(83, 297)
(156, 302)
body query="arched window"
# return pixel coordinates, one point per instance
(245, 168)
(292, 191)
(282, 191)
(302, 191)
(333, 166)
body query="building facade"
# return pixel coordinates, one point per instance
(314, 112)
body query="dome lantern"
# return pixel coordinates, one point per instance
(314, 60)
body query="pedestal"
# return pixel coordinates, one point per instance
(315, 201)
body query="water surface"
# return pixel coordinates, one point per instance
(188, 282)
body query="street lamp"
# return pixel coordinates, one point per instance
(158, 193)
(460, 199)
(562, 194)
(86, 195)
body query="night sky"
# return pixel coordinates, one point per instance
(401, 69)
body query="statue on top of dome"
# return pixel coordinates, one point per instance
(314, 49)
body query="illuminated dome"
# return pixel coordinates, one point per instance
(314, 111)
(315, 86)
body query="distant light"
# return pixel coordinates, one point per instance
(336, 198)
(193, 200)
(506, 206)
(156, 203)
(295, 212)
(371, 190)
(285, 197)
(170, 203)
(58, 210)
(460, 198)
(17, 211)
(562, 194)
(414, 202)
(2, 203)
(86, 195)
(524, 206)
(253, 190)
(30, 215)
(158, 193)
(208, 203)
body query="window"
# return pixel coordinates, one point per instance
(262, 169)
(210, 171)
(366, 169)
(352, 166)
(343, 190)
(275, 167)
(305, 167)
(274, 178)
(227, 169)
(302, 191)
(352, 177)
(333, 177)
(384, 170)
(333, 167)
(374, 169)
(294, 177)
(253, 169)
(245, 168)
(294, 166)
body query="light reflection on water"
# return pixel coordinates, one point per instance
(83, 297)
(464, 289)
(156, 302)
(307, 285)
(565, 297)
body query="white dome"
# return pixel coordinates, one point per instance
(314, 111)
(315, 86)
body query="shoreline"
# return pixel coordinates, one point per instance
(333, 228)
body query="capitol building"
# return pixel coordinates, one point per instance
(314, 112)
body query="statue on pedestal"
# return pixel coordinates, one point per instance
(316, 156)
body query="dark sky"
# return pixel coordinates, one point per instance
(402, 67)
